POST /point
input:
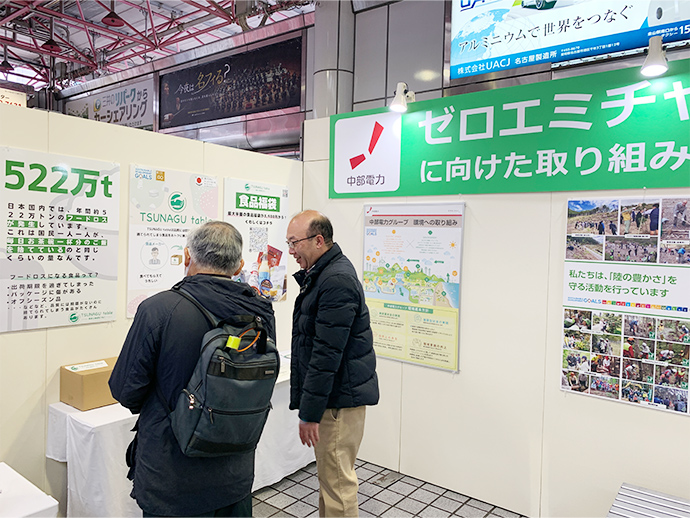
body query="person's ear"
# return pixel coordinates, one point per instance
(187, 257)
(240, 268)
(320, 241)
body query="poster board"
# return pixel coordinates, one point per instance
(164, 206)
(626, 297)
(411, 278)
(260, 212)
(60, 239)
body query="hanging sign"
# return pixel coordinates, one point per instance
(613, 130)
(130, 105)
(59, 262)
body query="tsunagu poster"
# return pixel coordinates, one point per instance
(626, 293)
(411, 279)
(260, 212)
(59, 262)
(164, 205)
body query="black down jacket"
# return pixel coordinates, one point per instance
(162, 347)
(333, 364)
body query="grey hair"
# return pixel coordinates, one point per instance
(216, 246)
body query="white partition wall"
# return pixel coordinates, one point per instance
(30, 360)
(501, 430)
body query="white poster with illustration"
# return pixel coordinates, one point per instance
(626, 294)
(164, 205)
(260, 212)
(60, 239)
(411, 279)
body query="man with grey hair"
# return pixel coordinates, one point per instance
(159, 355)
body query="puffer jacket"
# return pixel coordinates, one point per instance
(333, 364)
(163, 347)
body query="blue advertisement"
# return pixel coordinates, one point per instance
(495, 35)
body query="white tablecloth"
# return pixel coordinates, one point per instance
(19, 497)
(93, 443)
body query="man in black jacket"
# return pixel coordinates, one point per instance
(162, 348)
(333, 365)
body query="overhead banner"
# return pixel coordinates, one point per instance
(12, 97)
(411, 280)
(626, 300)
(613, 130)
(495, 35)
(130, 105)
(60, 240)
(260, 212)
(164, 205)
(268, 78)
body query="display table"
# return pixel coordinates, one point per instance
(19, 497)
(93, 444)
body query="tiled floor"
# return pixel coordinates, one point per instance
(382, 492)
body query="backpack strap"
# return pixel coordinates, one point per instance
(209, 316)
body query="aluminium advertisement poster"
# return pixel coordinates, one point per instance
(626, 294)
(60, 240)
(164, 206)
(495, 35)
(411, 280)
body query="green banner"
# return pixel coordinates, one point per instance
(257, 202)
(612, 130)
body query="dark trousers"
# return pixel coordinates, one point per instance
(241, 509)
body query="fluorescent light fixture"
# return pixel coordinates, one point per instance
(402, 97)
(656, 63)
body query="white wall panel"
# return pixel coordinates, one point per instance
(415, 45)
(370, 54)
(30, 360)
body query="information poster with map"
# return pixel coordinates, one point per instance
(164, 205)
(626, 294)
(60, 240)
(411, 279)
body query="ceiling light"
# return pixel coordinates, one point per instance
(112, 19)
(51, 46)
(402, 97)
(656, 63)
(5, 65)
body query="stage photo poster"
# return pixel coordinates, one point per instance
(260, 212)
(268, 78)
(626, 294)
(411, 279)
(494, 35)
(164, 206)
(60, 240)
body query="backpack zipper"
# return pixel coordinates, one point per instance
(249, 365)
(191, 397)
(244, 412)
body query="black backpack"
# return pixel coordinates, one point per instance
(225, 405)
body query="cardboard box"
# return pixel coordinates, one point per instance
(85, 385)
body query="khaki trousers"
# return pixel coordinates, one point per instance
(340, 434)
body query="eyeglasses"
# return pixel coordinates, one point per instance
(291, 244)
